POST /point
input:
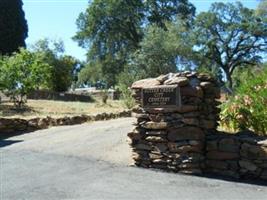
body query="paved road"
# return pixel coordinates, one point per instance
(90, 161)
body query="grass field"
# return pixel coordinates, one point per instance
(43, 108)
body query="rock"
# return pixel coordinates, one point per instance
(140, 115)
(191, 121)
(163, 78)
(186, 133)
(191, 91)
(145, 83)
(217, 155)
(176, 116)
(138, 109)
(180, 81)
(263, 143)
(160, 147)
(195, 142)
(178, 144)
(250, 151)
(173, 147)
(191, 114)
(42, 123)
(191, 171)
(160, 161)
(263, 153)
(229, 145)
(217, 164)
(206, 85)
(264, 175)
(155, 139)
(140, 156)
(181, 109)
(156, 117)
(159, 166)
(155, 156)
(233, 165)
(225, 173)
(248, 165)
(208, 124)
(211, 145)
(142, 146)
(134, 135)
(155, 125)
(189, 165)
(205, 77)
(156, 133)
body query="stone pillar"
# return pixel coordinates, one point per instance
(172, 136)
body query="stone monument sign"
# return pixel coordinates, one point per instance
(161, 96)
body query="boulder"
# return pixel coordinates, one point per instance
(145, 83)
(180, 81)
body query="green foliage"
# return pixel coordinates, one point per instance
(62, 66)
(90, 74)
(229, 36)
(13, 26)
(158, 12)
(125, 80)
(127, 98)
(21, 73)
(111, 30)
(262, 9)
(247, 109)
(162, 51)
(104, 96)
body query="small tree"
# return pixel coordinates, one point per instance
(21, 73)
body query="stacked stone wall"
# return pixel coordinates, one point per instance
(243, 155)
(184, 139)
(10, 126)
(174, 138)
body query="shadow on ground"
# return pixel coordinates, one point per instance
(7, 110)
(4, 143)
(213, 177)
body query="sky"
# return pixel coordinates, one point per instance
(56, 19)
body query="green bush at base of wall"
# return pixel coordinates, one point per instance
(248, 108)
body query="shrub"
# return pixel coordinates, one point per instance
(125, 80)
(248, 108)
(104, 96)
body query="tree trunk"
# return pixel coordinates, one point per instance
(230, 80)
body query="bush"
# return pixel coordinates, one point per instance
(125, 80)
(248, 108)
(104, 96)
(127, 96)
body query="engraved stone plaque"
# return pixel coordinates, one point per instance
(161, 97)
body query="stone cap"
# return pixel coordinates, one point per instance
(180, 79)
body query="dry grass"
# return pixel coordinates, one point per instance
(43, 108)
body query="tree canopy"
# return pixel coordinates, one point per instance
(112, 29)
(62, 66)
(229, 36)
(13, 26)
